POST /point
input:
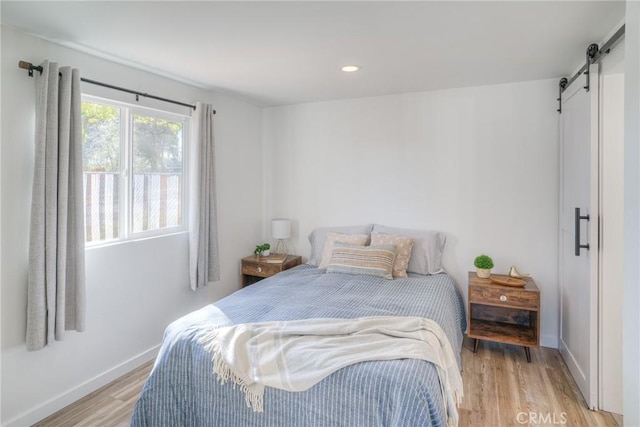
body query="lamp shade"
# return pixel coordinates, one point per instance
(281, 228)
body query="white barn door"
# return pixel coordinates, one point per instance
(579, 229)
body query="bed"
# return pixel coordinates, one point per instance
(183, 391)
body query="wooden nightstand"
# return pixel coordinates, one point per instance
(257, 268)
(503, 313)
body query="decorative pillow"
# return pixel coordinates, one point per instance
(370, 260)
(403, 246)
(426, 255)
(319, 236)
(332, 238)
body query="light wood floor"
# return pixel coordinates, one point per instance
(110, 406)
(500, 387)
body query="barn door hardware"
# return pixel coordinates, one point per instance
(591, 53)
(594, 54)
(561, 86)
(578, 245)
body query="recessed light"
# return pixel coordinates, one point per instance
(350, 68)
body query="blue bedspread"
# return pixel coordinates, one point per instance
(183, 391)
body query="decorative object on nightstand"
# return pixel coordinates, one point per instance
(513, 272)
(483, 264)
(503, 313)
(281, 230)
(262, 250)
(503, 280)
(255, 269)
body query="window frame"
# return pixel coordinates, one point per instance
(125, 173)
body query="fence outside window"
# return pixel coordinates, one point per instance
(156, 201)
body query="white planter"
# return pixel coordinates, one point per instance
(483, 273)
(267, 252)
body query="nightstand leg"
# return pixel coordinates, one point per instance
(527, 351)
(475, 345)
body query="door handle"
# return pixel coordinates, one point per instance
(578, 218)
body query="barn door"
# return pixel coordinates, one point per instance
(579, 234)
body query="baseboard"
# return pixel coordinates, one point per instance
(64, 399)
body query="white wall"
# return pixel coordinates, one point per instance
(133, 289)
(480, 164)
(631, 314)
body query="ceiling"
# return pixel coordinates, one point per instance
(277, 53)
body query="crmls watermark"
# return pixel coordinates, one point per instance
(545, 418)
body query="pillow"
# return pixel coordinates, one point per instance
(370, 260)
(332, 238)
(426, 255)
(319, 236)
(403, 246)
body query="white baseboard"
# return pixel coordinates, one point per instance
(68, 397)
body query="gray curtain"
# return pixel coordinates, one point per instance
(204, 266)
(56, 277)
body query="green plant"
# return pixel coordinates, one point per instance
(484, 262)
(261, 248)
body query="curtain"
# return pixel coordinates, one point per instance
(203, 230)
(56, 276)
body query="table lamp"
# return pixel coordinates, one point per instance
(281, 230)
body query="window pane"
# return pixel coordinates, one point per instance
(157, 173)
(101, 163)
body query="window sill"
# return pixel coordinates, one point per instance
(111, 243)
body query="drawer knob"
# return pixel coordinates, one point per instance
(503, 298)
(260, 271)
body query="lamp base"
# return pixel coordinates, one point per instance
(281, 248)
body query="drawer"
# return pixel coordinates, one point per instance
(505, 297)
(260, 270)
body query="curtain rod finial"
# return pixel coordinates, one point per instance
(29, 66)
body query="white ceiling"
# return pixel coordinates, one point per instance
(276, 53)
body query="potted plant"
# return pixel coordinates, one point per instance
(483, 264)
(263, 249)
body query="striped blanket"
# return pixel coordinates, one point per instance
(183, 391)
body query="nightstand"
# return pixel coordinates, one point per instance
(257, 268)
(504, 314)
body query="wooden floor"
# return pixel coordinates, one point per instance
(110, 406)
(500, 387)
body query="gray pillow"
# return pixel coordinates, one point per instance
(319, 235)
(426, 255)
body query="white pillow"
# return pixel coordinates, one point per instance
(318, 237)
(426, 255)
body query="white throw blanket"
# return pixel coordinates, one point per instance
(295, 355)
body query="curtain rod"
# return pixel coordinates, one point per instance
(30, 67)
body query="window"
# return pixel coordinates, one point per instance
(134, 171)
